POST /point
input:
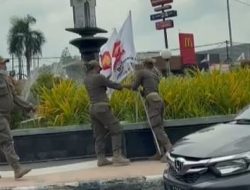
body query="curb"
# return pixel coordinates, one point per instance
(135, 183)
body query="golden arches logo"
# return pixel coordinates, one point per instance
(188, 42)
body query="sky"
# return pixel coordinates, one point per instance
(206, 19)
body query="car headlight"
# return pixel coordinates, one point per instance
(230, 167)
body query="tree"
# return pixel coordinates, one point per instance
(22, 40)
(66, 56)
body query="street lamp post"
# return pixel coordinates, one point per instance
(165, 30)
(166, 55)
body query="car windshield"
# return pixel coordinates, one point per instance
(244, 116)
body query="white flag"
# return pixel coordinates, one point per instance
(105, 55)
(124, 54)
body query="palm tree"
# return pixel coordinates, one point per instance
(22, 40)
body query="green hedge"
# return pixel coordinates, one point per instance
(202, 94)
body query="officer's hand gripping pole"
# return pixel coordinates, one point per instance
(150, 125)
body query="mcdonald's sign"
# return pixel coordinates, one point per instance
(188, 42)
(187, 49)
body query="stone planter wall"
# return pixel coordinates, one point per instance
(70, 142)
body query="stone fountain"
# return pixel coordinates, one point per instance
(84, 15)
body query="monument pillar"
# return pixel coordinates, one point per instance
(84, 16)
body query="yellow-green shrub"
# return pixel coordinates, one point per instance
(65, 104)
(206, 94)
(46, 80)
(202, 94)
(127, 106)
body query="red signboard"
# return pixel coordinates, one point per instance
(187, 49)
(160, 2)
(164, 24)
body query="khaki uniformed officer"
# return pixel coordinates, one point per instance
(102, 119)
(8, 98)
(149, 79)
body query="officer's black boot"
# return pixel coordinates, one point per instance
(102, 160)
(118, 158)
(13, 160)
(167, 148)
(19, 171)
(164, 158)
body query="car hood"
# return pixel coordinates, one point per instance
(216, 141)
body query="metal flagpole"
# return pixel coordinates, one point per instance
(150, 125)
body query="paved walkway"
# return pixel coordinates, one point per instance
(61, 172)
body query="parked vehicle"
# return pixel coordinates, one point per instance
(217, 157)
